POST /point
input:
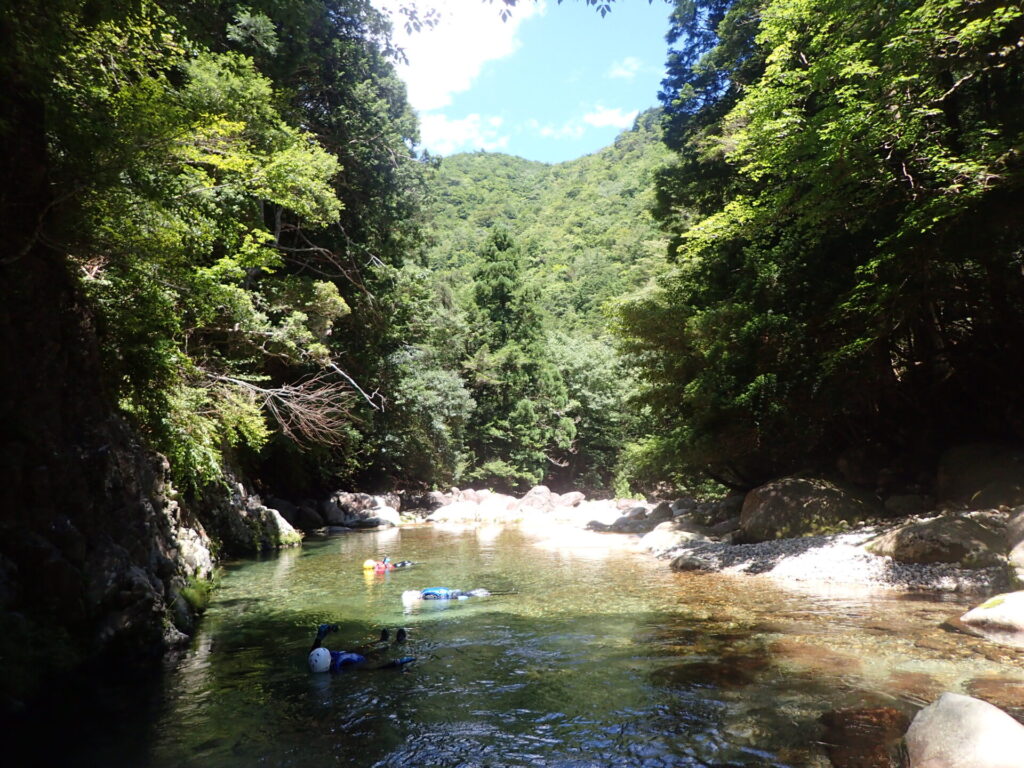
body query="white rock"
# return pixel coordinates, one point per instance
(957, 731)
(1001, 618)
(388, 515)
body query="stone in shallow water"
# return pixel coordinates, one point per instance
(863, 738)
(1004, 692)
(957, 731)
(1000, 618)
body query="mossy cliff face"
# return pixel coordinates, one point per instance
(93, 552)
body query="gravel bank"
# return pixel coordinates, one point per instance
(836, 559)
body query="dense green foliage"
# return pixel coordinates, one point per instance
(527, 260)
(584, 226)
(235, 190)
(278, 280)
(849, 269)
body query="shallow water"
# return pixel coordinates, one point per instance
(589, 656)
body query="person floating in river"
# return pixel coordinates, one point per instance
(441, 593)
(382, 566)
(323, 660)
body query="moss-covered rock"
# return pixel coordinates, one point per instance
(792, 507)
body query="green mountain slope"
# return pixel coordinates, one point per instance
(584, 225)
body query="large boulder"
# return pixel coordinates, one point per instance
(957, 731)
(792, 507)
(387, 515)
(981, 475)
(945, 539)
(354, 504)
(539, 498)
(333, 514)
(1000, 618)
(302, 516)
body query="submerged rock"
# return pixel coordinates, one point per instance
(863, 738)
(957, 731)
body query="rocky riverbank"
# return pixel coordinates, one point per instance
(949, 550)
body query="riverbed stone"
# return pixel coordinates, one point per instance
(662, 511)
(571, 499)
(863, 738)
(792, 507)
(958, 731)
(1000, 618)
(943, 539)
(636, 513)
(688, 561)
(667, 536)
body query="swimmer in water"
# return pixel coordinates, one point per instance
(323, 660)
(441, 593)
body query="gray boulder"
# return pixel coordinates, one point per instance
(353, 504)
(957, 731)
(636, 513)
(333, 514)
(946, 539)
(792, 507)
(684, 505)
(662, 511)
(301, 516)
(689, 562)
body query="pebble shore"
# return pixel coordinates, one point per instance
(836, 559)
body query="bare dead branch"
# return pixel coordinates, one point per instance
(314, 411)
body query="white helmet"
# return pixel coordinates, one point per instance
(319, 660)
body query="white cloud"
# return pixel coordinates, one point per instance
(445, 136)
(627, 68)
(447, 58)
(574, 128)
(602, 117)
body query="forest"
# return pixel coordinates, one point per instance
(224, 247)
(278, 281)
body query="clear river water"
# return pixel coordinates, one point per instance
(586, 655)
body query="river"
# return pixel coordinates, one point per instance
(586, 655)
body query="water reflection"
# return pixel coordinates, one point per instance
(592, 656)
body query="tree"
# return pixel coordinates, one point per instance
(854, 269)
(520, 416)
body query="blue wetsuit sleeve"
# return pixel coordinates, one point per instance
(340, 659)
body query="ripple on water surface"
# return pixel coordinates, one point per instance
(591, 655)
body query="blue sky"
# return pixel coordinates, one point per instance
(552, 83)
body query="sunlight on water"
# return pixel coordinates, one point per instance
(587, 654)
